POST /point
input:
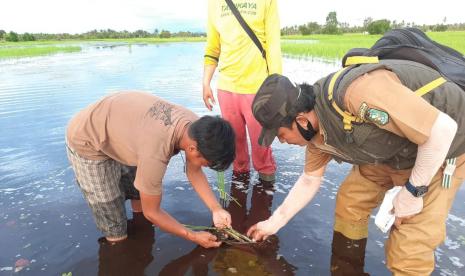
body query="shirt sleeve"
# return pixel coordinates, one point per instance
(273, 38)
(212, 48)
(315, 158)
(149, 176)
(408, 115)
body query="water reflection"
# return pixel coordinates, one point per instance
(131, 256)
(243, 259)
(348, 256)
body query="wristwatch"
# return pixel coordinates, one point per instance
(416, 191)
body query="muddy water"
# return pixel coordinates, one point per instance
(46, 227)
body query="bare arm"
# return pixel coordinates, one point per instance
(212, 54)
(300, 195)
(221, 218)
(208, 98)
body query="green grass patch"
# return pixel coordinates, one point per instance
(48, 47)
(322, 46)
(335, 46)
(158, 40)
(82, 41)
(37, 43)
(31, 51)
(455, 40)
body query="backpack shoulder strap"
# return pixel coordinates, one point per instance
(246, 27)
(353, 60)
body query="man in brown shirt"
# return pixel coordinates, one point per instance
(126, 140)
(389, 120)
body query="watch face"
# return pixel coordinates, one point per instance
(421, 190)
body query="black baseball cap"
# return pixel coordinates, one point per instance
(273, 102)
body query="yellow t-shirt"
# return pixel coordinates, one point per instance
(242, 69)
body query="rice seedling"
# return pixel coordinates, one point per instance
(225, 197)
(227, 235)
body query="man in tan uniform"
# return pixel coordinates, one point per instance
(369, 116)
(110, 138)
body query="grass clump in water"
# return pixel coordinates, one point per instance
(15, 52)
(335, 46)
(226, 235)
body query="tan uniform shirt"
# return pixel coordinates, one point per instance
(410, 116)
(135, 129)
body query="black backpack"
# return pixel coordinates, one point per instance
(413, 44)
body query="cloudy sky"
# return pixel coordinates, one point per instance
(77, 16)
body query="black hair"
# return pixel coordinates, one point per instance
(215, 141)
(304, 103)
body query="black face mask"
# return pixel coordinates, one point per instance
(306, 133)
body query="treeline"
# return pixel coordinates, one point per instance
(331, 26)
(96, 34)
(371, 26)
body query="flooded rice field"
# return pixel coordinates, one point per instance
(46, 227)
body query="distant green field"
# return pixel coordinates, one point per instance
(48, 47)
(335, 46)
(322, 46)
(126, 40)
(16, 52)
(455, 40)
(160, 40)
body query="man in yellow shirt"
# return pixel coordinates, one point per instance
(242, 69)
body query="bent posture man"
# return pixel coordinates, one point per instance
(369, 116)
(141, 130)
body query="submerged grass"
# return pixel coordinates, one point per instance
(335, 46)
(16, 52)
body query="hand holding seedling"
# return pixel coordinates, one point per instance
(221, 218)
(205, 239)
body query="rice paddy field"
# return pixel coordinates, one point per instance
(49, 47)
(335, 46)
(321, 46)
(15, 52)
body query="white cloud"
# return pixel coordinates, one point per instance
(73, 16)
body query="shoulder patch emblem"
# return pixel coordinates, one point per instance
(376, 116)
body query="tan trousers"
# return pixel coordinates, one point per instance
(410, 248)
